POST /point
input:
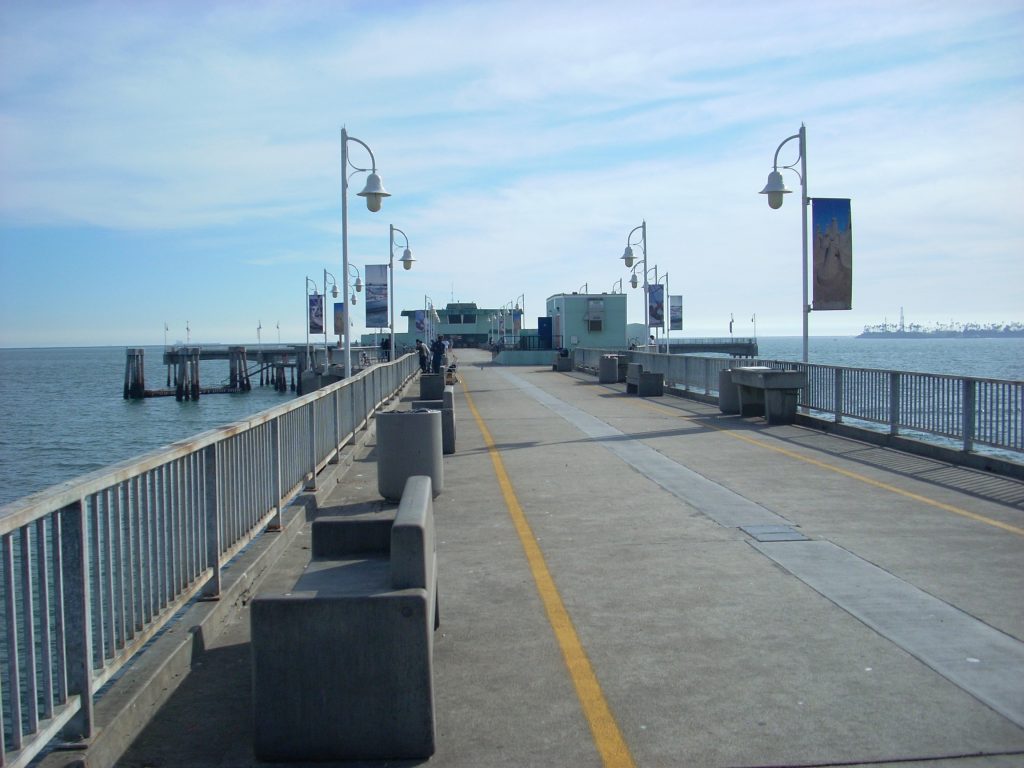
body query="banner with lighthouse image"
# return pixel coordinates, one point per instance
(832, 253)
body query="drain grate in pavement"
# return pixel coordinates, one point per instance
(773, 533)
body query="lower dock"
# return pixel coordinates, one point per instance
(632, 581)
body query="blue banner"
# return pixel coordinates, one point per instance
(339, 317)
(316, 313)
(833, 254)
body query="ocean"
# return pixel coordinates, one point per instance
(62, 413)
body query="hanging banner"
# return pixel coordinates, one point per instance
(316, 313)
(675, 313)
(833, 253)
(656, 306)
(376, 295)
(339, 318)
(517, 321)
(420, 321)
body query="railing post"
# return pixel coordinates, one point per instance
(311, 483)
(211, 512)
(275, 473)
(969, 400)
(74, 543)
(894, 402)
(336, 410)
(837, 394)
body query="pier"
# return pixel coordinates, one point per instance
(293, 366)
(623, 581)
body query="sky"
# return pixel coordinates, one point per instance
(178, 164)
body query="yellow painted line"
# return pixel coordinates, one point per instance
(605, 730)
(852, 475)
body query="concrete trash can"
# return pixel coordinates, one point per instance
(408, 443)
(608, 369)
(728, 393)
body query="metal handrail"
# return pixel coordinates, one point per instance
(94, 567)
(972, 411)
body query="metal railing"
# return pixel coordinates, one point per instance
(970, 411)
(93, 568)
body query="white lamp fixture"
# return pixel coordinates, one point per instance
(374, 191)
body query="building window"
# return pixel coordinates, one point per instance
(469, 319)
(595, 315)
(454, 319)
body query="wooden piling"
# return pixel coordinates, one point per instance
(134, 373)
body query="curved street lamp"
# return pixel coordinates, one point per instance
(374, 193)
(407, 261)
(629, 258)
(775, 189)
(334, 294)
(316, 293)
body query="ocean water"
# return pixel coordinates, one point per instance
(62, 413)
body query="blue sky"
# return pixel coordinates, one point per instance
(179, 162)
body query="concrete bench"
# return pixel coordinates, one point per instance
(769, 392)
(644, 383)
(343, 664)
(446, 405)
(562, 362)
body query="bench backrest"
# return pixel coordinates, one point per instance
(412, 536)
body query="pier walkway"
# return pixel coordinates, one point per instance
(647, 582)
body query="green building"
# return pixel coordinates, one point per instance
(588, 320)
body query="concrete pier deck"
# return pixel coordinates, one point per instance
(647, 582)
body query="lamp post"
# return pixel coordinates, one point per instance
(407, 261)
(628, 258)
(316, 292)
(374, 193)
(775, 189)
(618, 283)
(664, 302)
(429, 318)
(334, 294)
(633, 282)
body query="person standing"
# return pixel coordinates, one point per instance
(421, 350)
(437, 348)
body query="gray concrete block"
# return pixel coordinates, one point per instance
(413, 554)
(431, 386)
(408, 443)
(342, 677)
(447, 419)
(608, 369)
(341, 536)
(728, 393)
